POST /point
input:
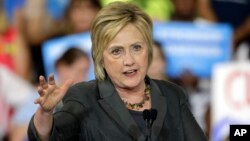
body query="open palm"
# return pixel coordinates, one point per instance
(50, 93)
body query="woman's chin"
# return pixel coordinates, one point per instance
(132, 83)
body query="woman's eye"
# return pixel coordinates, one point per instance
(137, 47)
(116, 51)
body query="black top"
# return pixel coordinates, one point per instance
(138, 117)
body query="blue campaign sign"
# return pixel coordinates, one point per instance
(193, 46)
(54, 48)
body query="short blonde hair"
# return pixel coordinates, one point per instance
(106, 25)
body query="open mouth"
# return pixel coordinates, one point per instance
(130, 72)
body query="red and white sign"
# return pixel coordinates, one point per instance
(230, 103)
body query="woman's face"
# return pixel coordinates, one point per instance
(126, 58)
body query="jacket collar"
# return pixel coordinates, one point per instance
(113, 105)
(158, 102)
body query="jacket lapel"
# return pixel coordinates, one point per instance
(113, 105)
(158, 101)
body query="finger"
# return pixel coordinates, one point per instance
(51, 80)
(38, 101)
(66, 85)
(42, 82)
(40, 90)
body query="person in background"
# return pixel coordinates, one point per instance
(79, 15)
(14, 52)
(20, 119)
(111, 107)
(198, 12)
(205, 11)
(77, 18)
(237, 15)
(73, 64)
(157, 69)
(192, 11)
(199, 99)
(39, 25)
(14, 92)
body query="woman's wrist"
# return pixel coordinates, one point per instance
(43, 122)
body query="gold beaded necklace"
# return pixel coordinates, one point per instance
(137, 106)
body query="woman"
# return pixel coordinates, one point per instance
(110, 107)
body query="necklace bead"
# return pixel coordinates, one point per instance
(137, 106)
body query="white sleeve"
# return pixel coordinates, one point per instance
(15, 90)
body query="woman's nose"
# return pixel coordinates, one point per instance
(128, 59)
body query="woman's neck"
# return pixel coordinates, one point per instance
(131, 93)
(136, 98)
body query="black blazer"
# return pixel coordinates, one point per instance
(93, 111)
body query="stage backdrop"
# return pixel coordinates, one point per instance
(193, 46)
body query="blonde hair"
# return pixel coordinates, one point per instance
(106, 25)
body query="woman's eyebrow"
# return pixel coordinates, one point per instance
(115, 47)
(137, 43)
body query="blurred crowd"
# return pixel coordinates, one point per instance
(26, 24)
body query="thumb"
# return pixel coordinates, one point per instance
(66, 85)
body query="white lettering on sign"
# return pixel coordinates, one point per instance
(239, 132)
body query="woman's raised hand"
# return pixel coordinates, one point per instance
(50, 93)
